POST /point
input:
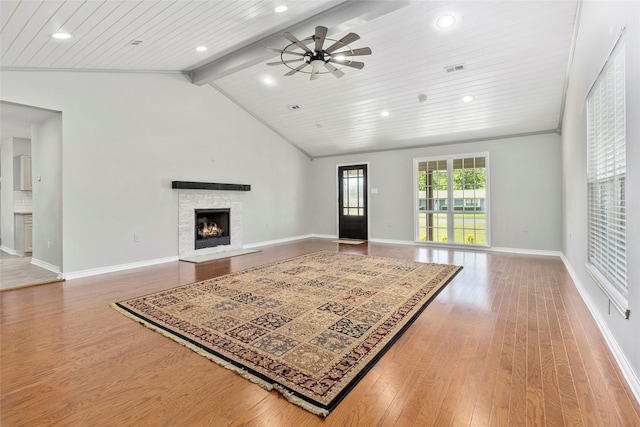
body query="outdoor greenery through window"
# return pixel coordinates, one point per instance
(606, 174)
(353, 192)
(452, 200)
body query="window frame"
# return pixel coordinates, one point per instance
(449, 159)
(603, 141)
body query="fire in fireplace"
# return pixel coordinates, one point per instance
(212, 228)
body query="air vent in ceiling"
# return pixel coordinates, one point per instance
(293, 107)
(452, 68)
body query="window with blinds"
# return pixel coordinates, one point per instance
(606, 174)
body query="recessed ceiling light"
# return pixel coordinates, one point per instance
(445, 21)
(467, 98)
(268, 80)
(61, 36)
(201, 48)
(384, 113)
(280, 9)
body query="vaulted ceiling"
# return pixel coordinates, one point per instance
(510, 56)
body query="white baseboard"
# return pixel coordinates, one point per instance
(325, 236)
(112, 269)
(393, 242)
(524, 251)
(627, 370)
(471, 248)
(8, 250)
(46, 266)
(274, 242)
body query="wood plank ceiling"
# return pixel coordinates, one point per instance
(514, 57)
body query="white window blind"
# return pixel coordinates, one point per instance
(606, 174)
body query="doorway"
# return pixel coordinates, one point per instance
(352, 202)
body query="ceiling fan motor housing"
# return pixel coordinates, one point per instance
(316, 58)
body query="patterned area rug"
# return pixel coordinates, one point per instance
(309, 327)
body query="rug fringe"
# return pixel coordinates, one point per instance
(287, 394)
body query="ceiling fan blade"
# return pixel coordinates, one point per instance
(321, 33)
(333, 70)
(354, 52)
(349, 38)
(288, 61)
(314, 73)
(280, 51)
(352, 64)
(295, 40)
(295, 70)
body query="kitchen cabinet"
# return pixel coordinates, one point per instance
(24, 233)
(22, 172)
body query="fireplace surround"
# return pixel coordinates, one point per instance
(191, 200)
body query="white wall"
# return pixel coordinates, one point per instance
(46, 153)
(127, 136)
(525, 189)
(600, 24)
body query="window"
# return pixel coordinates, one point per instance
(452, 200)
(353, 192)
(606, 175)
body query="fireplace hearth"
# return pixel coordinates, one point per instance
(212, 228)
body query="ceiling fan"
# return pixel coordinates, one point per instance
(319, 57)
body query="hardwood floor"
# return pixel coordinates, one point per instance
(17, 271)
(508, 342)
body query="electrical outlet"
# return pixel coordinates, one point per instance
(136, 238)
(525, 228)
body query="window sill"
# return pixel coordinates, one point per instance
(617, 299)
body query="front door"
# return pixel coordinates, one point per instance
(352, 202)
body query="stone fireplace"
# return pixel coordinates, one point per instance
(208, 222)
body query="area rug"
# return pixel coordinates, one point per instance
(310, 327)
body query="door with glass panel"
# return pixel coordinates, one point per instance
(453, 200)
(352, 202)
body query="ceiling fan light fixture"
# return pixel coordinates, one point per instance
(317, 63)
(318, 57)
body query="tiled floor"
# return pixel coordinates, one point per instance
(17, 271)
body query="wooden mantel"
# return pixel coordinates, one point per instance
(190, 185)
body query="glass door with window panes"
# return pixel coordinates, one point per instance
(452, 200)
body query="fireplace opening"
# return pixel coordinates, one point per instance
(212, 228)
